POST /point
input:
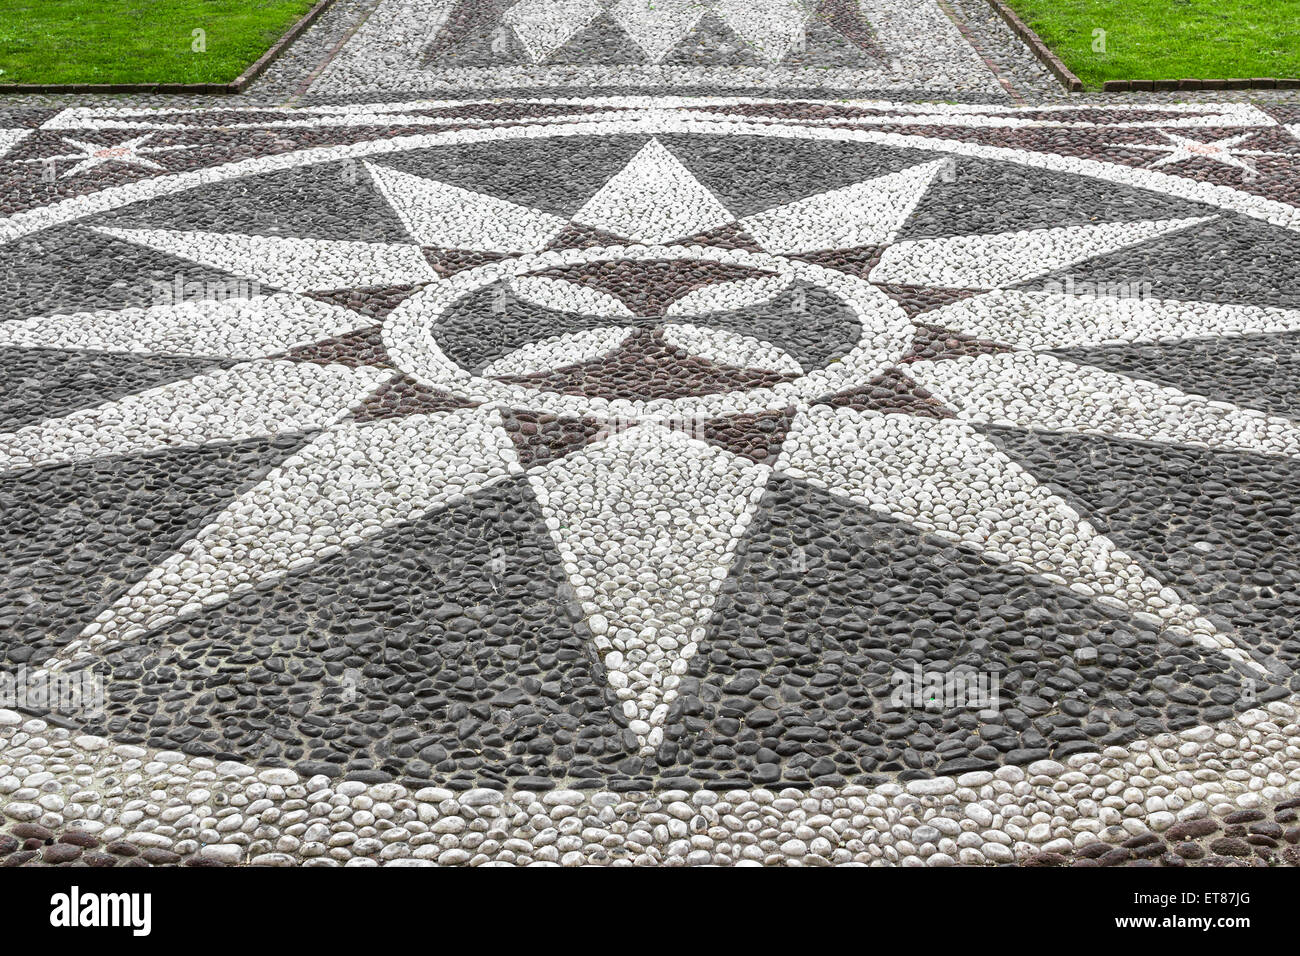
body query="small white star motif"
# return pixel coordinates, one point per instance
(130, 152)
(1219, 151)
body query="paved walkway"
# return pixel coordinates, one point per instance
(570, 435)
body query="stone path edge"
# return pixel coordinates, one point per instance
(964, 29)
(237, 85)
(1038, 47)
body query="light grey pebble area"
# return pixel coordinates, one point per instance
(123, 801)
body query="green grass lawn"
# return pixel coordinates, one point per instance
(137, 41)
(1169, 39)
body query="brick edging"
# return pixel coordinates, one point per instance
(236, 85)
(1163, 86)
(1039, 48)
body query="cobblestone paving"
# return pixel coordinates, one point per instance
(428, 45)
(628, 479)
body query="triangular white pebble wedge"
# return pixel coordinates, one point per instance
(868, 213)
(732, 348)
(1036, 390)
(251, 327)
(1002, 259)
(653, 199)
(770, 29)
(438, 214)
(656, 27)
(543, 26)
(1061, 320)
(290, 263)
(558, 351)
(246, 401)
(9, 138)
(348, 484)
(944, 478)
(647, 524)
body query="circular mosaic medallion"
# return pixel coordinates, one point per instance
(664, 455)
(681, 323)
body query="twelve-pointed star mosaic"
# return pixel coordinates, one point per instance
(647, 370)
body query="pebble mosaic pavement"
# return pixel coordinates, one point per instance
(430, 477)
